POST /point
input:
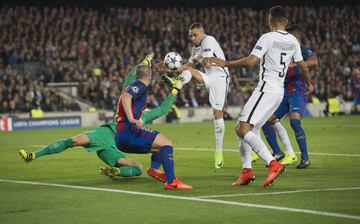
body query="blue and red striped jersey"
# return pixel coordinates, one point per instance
(294, 83)
(356, 86)
(138, 92)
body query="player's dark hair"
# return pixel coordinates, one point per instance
(278, 14)
(143, 71)
(195, 26)
(294, 28)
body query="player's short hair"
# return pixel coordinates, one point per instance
(295, 28)
(143, 71)
(195, 26)
(278, 14)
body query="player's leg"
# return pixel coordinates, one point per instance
(297, 109)
(218, 88)
(165, 147)
(270, 136)
(56, 147)
(119, 164)
(219, 128)
(295, 122)
(247, 175)
(255, 113)
(270, 132)
(191, 74)
(154, 170)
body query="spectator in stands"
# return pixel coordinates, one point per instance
(69, 43)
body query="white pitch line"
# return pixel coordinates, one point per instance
(280, 192)
(233, 203)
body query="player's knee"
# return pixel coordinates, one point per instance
(168, 142)
(274, 121)
(239, 132)
(218, 114)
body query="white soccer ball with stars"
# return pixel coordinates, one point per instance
(172, 60)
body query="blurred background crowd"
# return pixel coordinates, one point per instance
(97, 47)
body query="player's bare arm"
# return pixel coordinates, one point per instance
(248, 61)
(310, 62)
(304, 72)
(126, 101)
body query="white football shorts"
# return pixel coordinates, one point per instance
(259, 108)
(218, 87)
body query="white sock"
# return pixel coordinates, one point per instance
(245, 154)
(219, 133)
(186, 74)
(284, 138)
(258, 146)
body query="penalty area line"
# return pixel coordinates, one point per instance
(232, 203)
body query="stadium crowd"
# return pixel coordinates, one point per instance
(96, 48)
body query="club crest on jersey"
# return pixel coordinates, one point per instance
(258, 48)
(135, 89)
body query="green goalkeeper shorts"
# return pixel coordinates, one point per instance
(102, 141)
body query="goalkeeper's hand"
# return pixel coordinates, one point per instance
(177, 85)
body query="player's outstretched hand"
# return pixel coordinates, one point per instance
(178, 83)
(310, 89)
(213, 61)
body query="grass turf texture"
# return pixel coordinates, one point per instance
(23, 203)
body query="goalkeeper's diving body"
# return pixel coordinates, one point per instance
(101, 139)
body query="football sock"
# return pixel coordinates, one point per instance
(129, 171)
(281, 132)
(300, 137)
(155, 160)
(167, 160)
(270, 135)
(258, 146)
(245, 154)
(219, 133)
(186, 75)
(55, 147)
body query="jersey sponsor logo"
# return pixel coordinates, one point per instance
(207, 49)
(258, 48)
(135, 89)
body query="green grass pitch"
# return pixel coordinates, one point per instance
(327, 192)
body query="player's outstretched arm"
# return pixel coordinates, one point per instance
(165, 106)
(159, 111)
(304, 72)
(131, 77)
(248, 61)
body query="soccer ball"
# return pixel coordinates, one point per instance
(172, 60)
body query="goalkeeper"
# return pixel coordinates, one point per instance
(101, 139)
